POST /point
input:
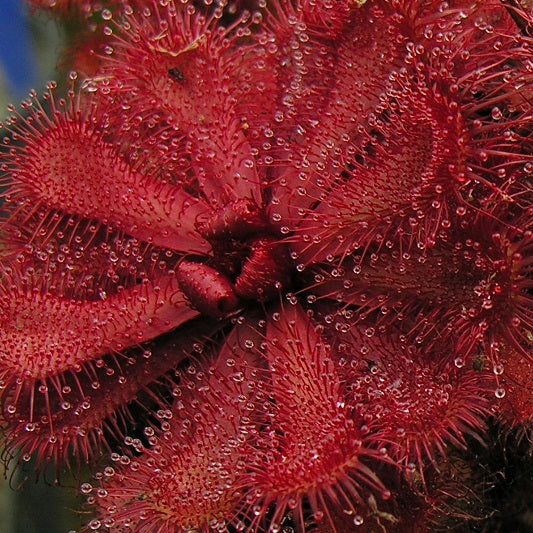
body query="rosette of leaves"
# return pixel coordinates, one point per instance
(273, 262)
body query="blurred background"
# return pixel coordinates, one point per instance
(29, 51)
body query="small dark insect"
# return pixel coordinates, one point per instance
(176, 74)
(478, 363)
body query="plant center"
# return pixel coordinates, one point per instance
(249, 261)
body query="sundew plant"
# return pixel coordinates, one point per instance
(265, 266)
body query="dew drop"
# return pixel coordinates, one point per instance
(501, 173)
(498, 369)
(369, 332)
(496, 113)
(86, 488)
(94, 524)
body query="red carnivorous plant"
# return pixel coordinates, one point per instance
(267, 265)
